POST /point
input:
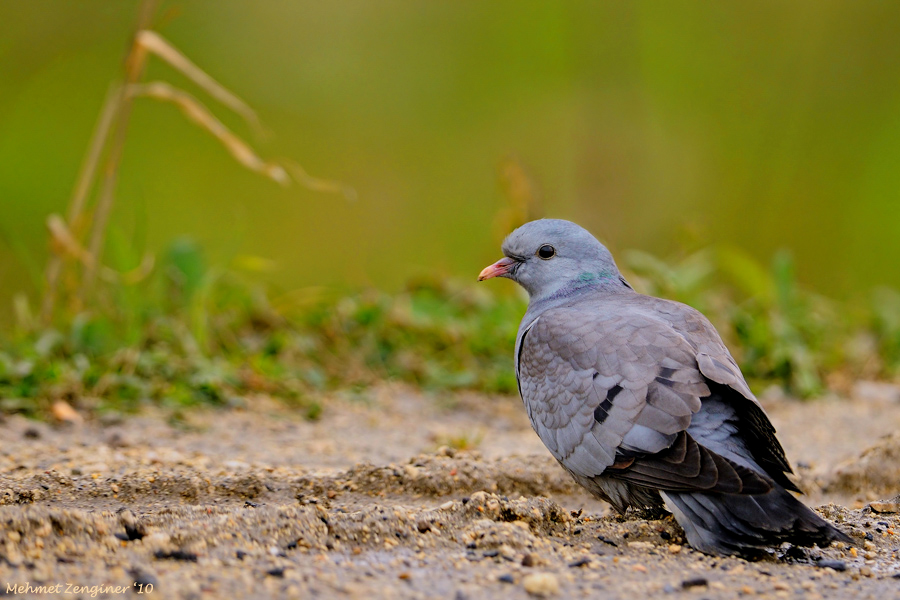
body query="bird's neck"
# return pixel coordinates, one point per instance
(602, 282)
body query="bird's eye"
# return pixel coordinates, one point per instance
(546, 251)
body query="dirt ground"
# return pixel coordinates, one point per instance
(377, 500)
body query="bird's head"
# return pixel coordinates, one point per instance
(552, 257)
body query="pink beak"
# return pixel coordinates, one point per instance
(501, 267)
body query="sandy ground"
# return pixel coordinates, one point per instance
(372, 501)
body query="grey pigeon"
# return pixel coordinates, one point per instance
(640, 401)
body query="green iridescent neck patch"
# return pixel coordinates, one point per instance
(594, 277)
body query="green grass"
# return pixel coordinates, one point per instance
(194, 335)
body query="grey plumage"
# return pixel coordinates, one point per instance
(641, 402)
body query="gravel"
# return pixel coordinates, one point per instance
(262, 504)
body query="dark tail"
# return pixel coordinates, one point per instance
(724, 524)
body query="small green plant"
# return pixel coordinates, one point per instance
(190, 334)
(464, 440)
(787, 334)
(196, 335)
(884, 321)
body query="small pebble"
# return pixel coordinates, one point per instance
(116, 440)
(142, 579)
(541, 584)
(64, 412)
(828, 563)
(606, 540)
(694, 582)
(134, 528)
(507, 578)
(581, 562)
(781, 586)
(176, 555)
(674, 548)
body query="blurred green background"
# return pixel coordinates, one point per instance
(763, 125)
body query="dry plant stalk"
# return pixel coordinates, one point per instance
(83, 185)
(155, 43)
(194, 110)
(521, 194)
(134, 67)
(109, 137)
(66, 243)
(328, 186)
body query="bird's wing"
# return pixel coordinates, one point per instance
(713, 358)
(716, 364)
(614, 391)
